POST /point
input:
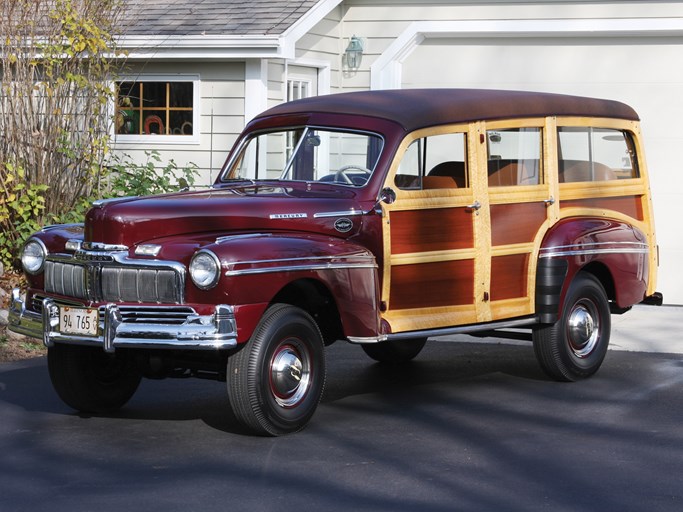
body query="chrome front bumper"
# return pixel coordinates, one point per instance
(198, 332)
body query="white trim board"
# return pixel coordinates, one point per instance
(386, 71)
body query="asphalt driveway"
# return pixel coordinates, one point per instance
(464, 427)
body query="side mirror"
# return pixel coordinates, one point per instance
(387, 195)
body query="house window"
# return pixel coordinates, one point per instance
(155, 108)
(298, 89)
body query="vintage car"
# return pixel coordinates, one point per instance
(382, 218)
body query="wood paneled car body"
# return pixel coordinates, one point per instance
(381, 218)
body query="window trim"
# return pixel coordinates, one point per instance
(155, 139)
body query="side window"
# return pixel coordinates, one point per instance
(595, 154)
(435, 162)
(514, 157)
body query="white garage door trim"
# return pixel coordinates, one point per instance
(386, 71)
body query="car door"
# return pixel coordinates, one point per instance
(432, 231)
(521, 191)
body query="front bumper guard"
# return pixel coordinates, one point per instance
(199, 332)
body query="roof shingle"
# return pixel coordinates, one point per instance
(213, 17)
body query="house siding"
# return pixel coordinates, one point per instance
(221, 107)
(323, 44)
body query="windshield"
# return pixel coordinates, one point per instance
(307, 154)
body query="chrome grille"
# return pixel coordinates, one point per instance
(123, 284)
(162, 315)
(65, 279)
(154, 315)
(115, 283)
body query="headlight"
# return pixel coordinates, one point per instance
(205, 269)
(33, 256)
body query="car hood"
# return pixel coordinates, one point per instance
(233, 209)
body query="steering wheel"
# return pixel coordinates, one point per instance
(341, 175)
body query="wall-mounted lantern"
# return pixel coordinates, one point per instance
(354, 53)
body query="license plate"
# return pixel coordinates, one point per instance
(78, 321)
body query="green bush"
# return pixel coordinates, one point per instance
(130, 179)
(22, 207)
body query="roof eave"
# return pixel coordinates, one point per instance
(202, 46)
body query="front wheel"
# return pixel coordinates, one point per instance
(276, 380)
(574, 347)
(90, 380)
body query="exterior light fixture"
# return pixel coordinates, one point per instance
(354, 53)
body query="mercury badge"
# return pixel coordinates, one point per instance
(288, 215)
(343, 225)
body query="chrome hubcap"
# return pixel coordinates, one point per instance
(583, 328)
(290, 371)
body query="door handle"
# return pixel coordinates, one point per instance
(550, 201)
(474, 206)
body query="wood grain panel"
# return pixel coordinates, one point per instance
(509, 276)
(426, 285)
(435, 229)
(628, 205)
(516, 223)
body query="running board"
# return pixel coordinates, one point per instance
(467, 329)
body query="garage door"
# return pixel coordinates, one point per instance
(642, 72)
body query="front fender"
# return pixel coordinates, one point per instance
(256, 268)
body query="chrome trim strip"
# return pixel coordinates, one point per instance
(591, 244)
(294, 268)
(208, 332)
(582, 249)
(305, 258)
(464, 329)
(99, 246)
(367, 339)
(586, 252)
(296, 264)
(347, 213)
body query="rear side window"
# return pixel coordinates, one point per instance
(595, 154)
(514, 157)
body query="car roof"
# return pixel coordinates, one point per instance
(420, 108)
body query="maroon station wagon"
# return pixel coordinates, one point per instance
(380, 218)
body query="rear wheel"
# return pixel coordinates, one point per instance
(90, 380)
(394, 351)
(574, 347)
(276, 380)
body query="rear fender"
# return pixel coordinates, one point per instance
(613, 251)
